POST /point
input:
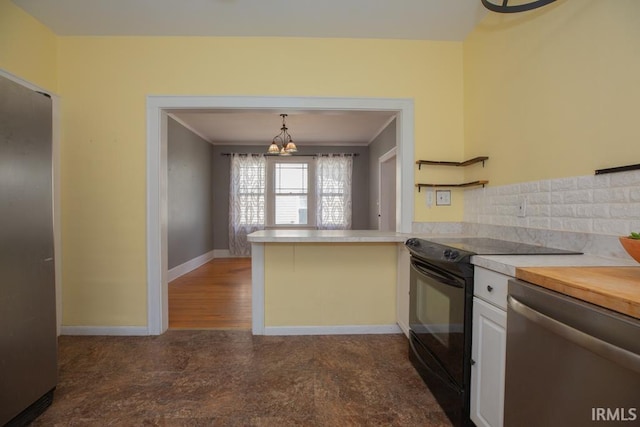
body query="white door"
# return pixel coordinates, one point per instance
(387, 191)
(488, 352)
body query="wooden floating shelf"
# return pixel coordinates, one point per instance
(440, 163)
(466, 184)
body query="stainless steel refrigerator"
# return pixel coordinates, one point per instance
(28, 342)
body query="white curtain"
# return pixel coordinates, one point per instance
(333, 192)
(246, 201)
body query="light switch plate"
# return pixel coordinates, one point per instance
(443, 197)
(429, 198)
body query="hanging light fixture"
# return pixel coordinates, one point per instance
(494, 5)
(282, 143)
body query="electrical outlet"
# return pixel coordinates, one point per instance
(443, 197)
(522, 208)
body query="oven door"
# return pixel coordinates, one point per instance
(437, 320)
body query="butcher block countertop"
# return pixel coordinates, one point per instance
(615, 288)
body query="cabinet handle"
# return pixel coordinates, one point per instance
(489, 288)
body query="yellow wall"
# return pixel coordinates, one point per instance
(325, 284)
(104, 81)
(28, 49)
(546, 94)
(554, 92)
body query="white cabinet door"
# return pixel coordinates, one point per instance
(488, 350)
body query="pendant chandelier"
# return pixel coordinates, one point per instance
(282, 143)
(494, 5)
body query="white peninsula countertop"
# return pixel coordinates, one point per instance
(327, 236)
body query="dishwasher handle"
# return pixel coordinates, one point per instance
(602, 348)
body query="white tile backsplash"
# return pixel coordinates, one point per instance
(585, 213)
(625, 179)
(566, 204)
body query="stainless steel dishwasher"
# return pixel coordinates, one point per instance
(569, 363)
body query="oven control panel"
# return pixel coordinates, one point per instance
(451, 254)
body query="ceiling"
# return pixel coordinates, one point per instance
(387, 19)
(448, 20)
(258, 127)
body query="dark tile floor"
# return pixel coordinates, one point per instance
(231, 378)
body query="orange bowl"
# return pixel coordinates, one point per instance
(632, 246)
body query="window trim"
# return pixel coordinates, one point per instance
(270, 194)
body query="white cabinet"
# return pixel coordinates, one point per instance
(488, 351)
(487, 373)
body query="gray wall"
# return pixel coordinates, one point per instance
(379, 146)
(190, 201)
(221, 177)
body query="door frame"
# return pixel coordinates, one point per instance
(382, 160)
(157, 109)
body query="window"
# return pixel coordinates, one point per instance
(287, 192)
(290, 192)
(309, 192)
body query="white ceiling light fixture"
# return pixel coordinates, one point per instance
(282, 143)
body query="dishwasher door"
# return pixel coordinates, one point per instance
(569, 363)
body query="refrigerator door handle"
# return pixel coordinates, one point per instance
(48, 259)
(602, 348)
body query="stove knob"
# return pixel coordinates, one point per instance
(447, 253)
(412, 242)
(454, 255)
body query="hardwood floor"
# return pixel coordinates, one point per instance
(216, 295)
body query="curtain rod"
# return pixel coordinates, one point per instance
(293, 155)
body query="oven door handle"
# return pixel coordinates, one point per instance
(436, 276)
(602, 348)
(446, 380)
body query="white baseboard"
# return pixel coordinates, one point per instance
(221, 253)
(332, 330)
(105, 330)
(224, 253)
(269, 330)
(188, 266)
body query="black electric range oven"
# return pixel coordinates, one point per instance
(441, 301)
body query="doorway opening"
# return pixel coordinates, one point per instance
(216, 295)
(158, 108)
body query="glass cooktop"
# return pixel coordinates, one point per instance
(460, 249)
(486, 246)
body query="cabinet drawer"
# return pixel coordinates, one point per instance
(491, 286)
